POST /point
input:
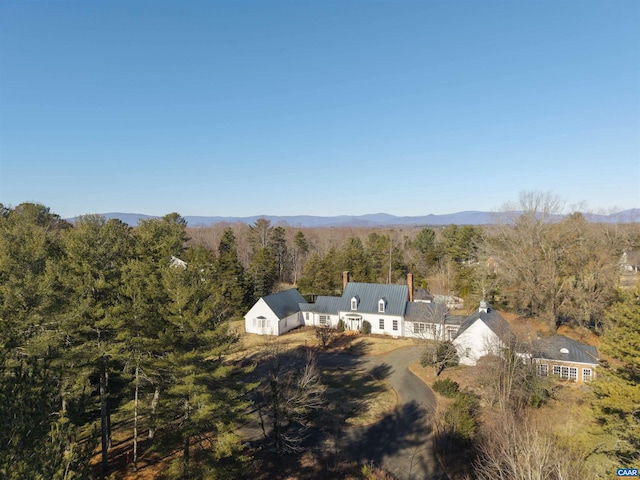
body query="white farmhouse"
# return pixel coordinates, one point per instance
(389, 309)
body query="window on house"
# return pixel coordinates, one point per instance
(381, 305)
(543, 370)
(381, 324)
(306, 315)
(564, 372)
(418, 327)
(354, 303)
(573, 373)
(451, 332)
(556, 369)
(285, 322)
(467, 352)
(395, 325)
(323, 320)
(586, 375)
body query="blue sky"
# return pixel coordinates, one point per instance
(317, 107)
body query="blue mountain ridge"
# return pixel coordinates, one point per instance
(370, 220)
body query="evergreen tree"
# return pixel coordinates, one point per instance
(92, 273)
(300, 251)
(354, 259)
(618, 386)
(30, 367)
(278, 247)
(202, 392)
(230, 274)
(263, 273)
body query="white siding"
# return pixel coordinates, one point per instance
(476, 341)
(261, 320)
(289, 323)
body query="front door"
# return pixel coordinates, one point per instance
(354, 323)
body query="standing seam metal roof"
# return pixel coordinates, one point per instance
(492, 319)
(284, 303)
(549, 349)
(370, 293)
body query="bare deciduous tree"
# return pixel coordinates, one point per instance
(518, 449)
(291, 394)
(325, 335)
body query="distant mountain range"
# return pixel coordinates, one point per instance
(371, 220)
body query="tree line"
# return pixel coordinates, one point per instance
(96, 320)
(100, 319)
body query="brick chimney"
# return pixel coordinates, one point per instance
(410, 285)
(346, 278)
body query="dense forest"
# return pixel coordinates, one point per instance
(103, 322)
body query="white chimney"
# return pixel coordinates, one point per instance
(484, 307)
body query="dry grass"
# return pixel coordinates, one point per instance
(369, 400)
(251, 344)
(373, 398)
(629, 280)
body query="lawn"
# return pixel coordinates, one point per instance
(354, 396)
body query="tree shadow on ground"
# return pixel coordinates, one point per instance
(350, 387)
(404, 429)
(381, 371)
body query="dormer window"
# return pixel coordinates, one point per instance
(381, 305)
(354, 303)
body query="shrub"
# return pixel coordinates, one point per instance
(325, 335)
(446, 387)
(366, 328)
(440, 355)
(340, 326)
(461, 415)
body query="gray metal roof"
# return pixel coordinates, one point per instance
(284, 303)
(306, 307)
(633, 257)
(455, 319)
(325, 304)
(370, 293)
(492, 319)
(550, 349)
(425, 312)
(422, 294)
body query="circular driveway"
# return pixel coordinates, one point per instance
(401, 442)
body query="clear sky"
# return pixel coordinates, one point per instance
(317, 107)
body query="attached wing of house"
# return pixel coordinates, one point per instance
(275, 314)
(484, 332)
(630, 261)
(430, 321)
(566, 358)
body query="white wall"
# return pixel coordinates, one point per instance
(289, 323)
(266, 326)
(478, 340)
